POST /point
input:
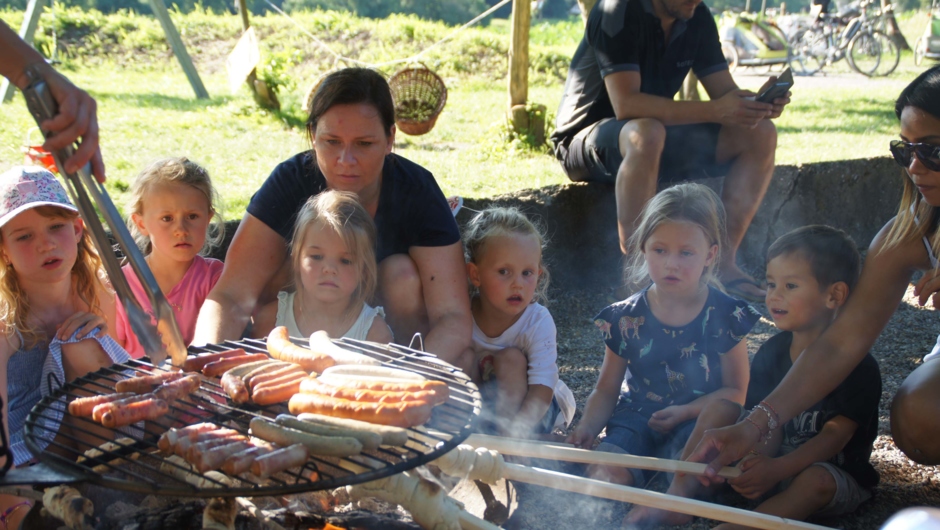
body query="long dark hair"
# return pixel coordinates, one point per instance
(350, 86)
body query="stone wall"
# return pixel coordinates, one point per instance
(858, 196)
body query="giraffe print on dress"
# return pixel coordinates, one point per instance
(674, 377)
(628, 323)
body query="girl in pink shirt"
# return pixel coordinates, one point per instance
(172, 204)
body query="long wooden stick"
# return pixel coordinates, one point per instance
(468, 521)
(662, 501)
(569, 453)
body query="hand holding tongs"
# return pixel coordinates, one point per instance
(43, 107)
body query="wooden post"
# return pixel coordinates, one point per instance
(519, 57)
(179, 49)
(27, 29)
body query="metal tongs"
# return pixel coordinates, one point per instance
(157, 340)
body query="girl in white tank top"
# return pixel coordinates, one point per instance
(333, 257)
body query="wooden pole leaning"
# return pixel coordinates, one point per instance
(662, 501)
(569, 453)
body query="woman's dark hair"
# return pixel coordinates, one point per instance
(923, 93)
(350, 86)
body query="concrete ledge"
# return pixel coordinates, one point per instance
(858, 196)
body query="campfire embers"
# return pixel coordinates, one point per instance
(118, 510)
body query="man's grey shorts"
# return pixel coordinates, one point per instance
(689, 152)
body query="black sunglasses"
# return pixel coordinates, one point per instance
(929, 155)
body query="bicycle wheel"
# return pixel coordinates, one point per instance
(890, 54)
(864, 52)
(807, 52)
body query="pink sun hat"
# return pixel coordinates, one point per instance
(25, 187)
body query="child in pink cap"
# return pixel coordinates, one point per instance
(54, 298)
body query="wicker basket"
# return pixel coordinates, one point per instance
(419, 96)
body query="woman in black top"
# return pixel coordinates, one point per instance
(422, 278)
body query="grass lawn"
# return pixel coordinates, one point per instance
(148, 111)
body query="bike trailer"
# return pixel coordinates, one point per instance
(750, 41)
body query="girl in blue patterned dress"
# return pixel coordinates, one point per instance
(674, 346)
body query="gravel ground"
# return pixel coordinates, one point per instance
(909, 335)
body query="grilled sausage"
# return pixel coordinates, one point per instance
(256, 379)
(277, 392)
(318, 445)
(179, 388)
(370, 440)
(168, 440)
(146, 383)
(241, 461)
(390, 435)
(99, 410)
(84, 406)
(381, 385)
(276, 461)
(217, 368)
(280, 347)
(234, 387)
(404, 414)
(196, 364)
(320, 343)
(184, 443)
(216, 456)
(435, 394)
(379, 372)
(148, 409)
(194, 452)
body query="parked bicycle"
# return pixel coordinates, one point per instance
(854, 36)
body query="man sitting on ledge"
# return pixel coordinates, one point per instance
(618, 122)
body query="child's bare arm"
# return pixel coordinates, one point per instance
(600, 404)
(734, 377)
(761, 473)
(831, 439)
(380, 332)
(534, 406)
(263, 321)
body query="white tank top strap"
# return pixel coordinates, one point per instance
(360, 328)
(285, 314)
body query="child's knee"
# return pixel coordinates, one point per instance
(612, 474)
(510, 362)
(815, 482)
(720, 412)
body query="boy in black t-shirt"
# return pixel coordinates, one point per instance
(818, 462)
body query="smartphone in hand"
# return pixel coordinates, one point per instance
(778, 89)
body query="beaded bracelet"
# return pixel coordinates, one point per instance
(771, 416)
(9, 511)
(760, 432)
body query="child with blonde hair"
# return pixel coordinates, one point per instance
(681, 337)
(172, 204)
(514, 342)
(53, 299)
(333, 257)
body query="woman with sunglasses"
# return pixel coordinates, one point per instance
(906, 244)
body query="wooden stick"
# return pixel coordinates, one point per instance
(570, 453)
(468, 521)
(662, 501)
